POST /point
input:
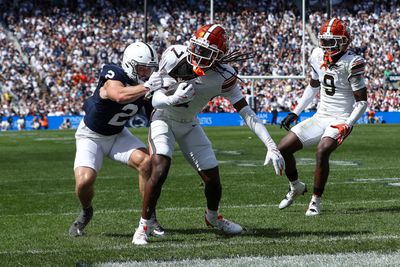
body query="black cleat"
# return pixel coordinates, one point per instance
(81, 221)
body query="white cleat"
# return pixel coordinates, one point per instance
(140, 237)
(314, 208)
(295, 191)
(226, 226)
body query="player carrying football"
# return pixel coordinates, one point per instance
(202, 66)
(102, 132)
(338, 75)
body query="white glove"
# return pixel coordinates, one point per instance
(183, 94)
(154, 83)
(277, 160)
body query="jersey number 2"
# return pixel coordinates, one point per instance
(120, 118)
(329, 83)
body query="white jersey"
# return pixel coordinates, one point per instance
(220, 82)
(337, 82)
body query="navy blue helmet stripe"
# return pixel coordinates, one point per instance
(151, 52)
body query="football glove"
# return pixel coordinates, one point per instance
(344, 131)
(274, 156)
(183, 94)
(289, 119)
(154, 83)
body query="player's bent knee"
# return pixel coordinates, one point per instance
(324, 151)
(84, 177)
(139, 158)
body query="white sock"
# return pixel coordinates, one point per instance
(315, 198)
(212, 215)
(143, 221)
(293, 183)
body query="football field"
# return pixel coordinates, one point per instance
(360, 220)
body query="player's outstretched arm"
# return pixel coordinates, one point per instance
(116, 91)
(305, 100)
(256, 125)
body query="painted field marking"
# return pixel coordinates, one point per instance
(214, 243)
(333, 260)
(185, 209)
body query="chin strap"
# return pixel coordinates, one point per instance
(198, 71)
(327, 60)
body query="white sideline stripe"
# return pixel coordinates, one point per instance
(184, 209)
(333, 260)
(208, 243)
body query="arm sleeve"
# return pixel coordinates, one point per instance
(306, 99)
(257, 127)
(358, 111)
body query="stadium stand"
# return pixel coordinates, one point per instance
(51, 51)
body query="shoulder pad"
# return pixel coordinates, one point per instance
(113, 72)
(172, 56)
(357, 66)
(230, 75)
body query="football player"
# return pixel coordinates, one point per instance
(102, 132)
(338, 74)
(201, 66)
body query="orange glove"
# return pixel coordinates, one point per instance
(344, 131)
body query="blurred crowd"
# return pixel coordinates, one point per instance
(52, 51)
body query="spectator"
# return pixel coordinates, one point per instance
(21, 122)
(35, 123)
(372, 116)
(66, 124)
(44, 122)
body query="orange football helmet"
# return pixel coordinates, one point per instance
(208, 44)
(334, 36)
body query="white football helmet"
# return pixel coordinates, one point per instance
(140, 60)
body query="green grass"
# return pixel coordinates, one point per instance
(37, 202)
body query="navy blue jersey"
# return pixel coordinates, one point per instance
(105, 116)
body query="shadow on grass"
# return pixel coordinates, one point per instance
(174, 232)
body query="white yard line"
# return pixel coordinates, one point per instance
(215, 243)
(185, 209)
(309, 260)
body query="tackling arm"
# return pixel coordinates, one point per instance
(116, 91)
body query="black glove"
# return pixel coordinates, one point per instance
(291, 117)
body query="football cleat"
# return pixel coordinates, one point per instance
(314, 207)
(80, 223)
(226, 226)
(295, 191)
(158, 230)
(140, 237)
